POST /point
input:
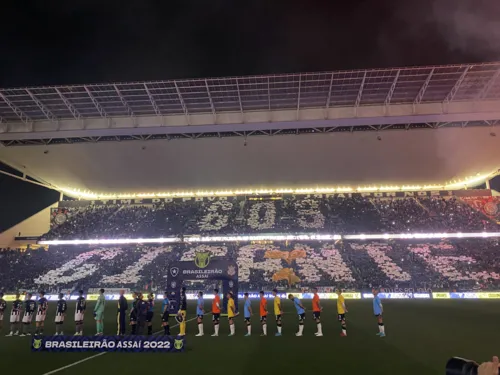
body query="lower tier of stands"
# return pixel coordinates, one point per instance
(466, 265)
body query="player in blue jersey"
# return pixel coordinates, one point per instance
(378, 311)
(301, 312)
(247, 314)
(41, 314)
(200, 311)
(165, 311)
(150, 314)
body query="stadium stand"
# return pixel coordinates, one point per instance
(150, 187)
(288, 214)
(452, 265)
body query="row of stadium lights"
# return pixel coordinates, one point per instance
(271, 237)
(461, 184)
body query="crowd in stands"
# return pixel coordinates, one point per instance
(289, 214)
(459, 264)
(462, 265)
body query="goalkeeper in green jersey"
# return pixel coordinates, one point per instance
(99, 313)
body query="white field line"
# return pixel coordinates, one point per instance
(98, 354)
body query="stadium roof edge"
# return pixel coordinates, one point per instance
(459, 184)
(416, 67)
(369, 94)
(471, 182)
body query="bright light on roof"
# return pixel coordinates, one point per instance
(422, 236)
(122, 241)
(471, 181)
(454, 185)
(271, 237)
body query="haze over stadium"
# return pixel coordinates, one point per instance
(342, 177)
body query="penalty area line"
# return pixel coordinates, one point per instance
(98, 354)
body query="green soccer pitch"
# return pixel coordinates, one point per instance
(421, 336)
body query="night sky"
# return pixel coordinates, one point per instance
(88, 41)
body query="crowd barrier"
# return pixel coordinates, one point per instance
(467, 295)
(324, 296)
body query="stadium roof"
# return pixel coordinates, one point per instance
(339, 160)
(373, 99)
(453, 110)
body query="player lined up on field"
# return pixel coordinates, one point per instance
(142, 313)
(22, 313)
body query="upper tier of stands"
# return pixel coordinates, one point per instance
(286, 214)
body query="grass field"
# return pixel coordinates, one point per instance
(421, 336)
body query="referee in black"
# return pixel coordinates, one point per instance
(142, 314)
(133, 314)
(122, 312)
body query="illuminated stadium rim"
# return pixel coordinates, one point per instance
(459, 184)
(271, 237)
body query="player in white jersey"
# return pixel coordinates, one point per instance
(29, 311)
(15, 315)
(41, 314)
(3, 307)
(61, 308)
(80, 308)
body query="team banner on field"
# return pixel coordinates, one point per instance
(108, 344)
(204, 267)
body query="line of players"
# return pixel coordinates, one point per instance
(22, 313)
(278, 312)
(142, 312)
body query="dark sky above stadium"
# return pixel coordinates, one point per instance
(85, 41)
(49, 42)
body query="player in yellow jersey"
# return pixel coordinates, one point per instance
(182, 313)
(277, 311)
(341, 310)
(231, 312)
